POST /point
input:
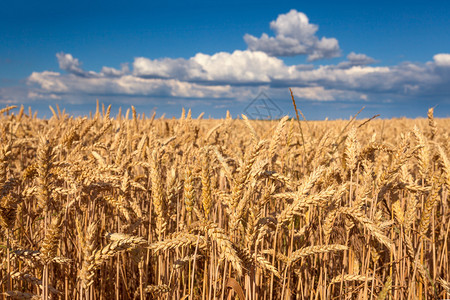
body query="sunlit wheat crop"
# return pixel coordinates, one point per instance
(134, 207)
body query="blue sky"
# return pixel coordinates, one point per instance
(337, 56)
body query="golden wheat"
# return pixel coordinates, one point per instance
(137, 207)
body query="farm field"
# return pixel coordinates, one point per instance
(134, 207)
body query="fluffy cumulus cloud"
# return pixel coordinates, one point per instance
(294, 35)
(442, 60)
(237, 68)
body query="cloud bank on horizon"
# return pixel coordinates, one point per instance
(237, 76)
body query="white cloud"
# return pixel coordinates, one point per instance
(442, 60)
(354, 59)
(111, 72)
(164, 68)
(35, 95)
(71, 65)
(294, 35)
(319, 93)
(359, 59)
(239, 67)
(236, 75)
(51, 83)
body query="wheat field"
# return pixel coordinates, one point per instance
(134, 207)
